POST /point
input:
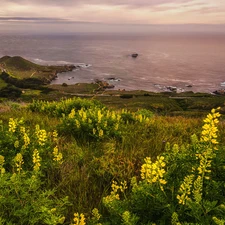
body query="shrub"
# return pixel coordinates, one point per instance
(64, 106)
(92, 123)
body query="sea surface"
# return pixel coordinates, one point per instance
(189, 62)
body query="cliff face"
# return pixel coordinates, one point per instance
(21, 72)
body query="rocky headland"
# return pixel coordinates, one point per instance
(23, 73)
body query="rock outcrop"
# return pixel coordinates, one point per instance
(134, 55)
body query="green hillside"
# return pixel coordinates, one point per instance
(20, 68)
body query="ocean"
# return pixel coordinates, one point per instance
(187, 62)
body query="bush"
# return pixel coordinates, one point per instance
(64, 106)
(126, 96)
(10, 92)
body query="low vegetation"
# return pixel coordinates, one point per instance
(75, 161)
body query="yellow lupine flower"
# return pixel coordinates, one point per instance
(16, 144)
(57, 155)
(209, 132)
(19, 162)
(72, 114)
(101, 133)
(41, 135)
(185, 189)
(55, 136)
(36, 160)
(77, 123)
(96, 215)
(12, 125)
(153, 172)
(78, 219)
(99, 116)
(26, 140)
(2, 161)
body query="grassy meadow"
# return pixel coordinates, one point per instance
(77, 161)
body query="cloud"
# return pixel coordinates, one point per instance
(65, 3)
(33, 19)
(112, 11)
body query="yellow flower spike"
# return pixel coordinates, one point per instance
(101, 133)
(55, 136)
(2, 161)
(96, 215)
(36, 160)
(184, 190)
(19, 162)
(79, 219)
(72, 114)
(213, 111)
(41, 135)
(209, 132)
(153, 172)
(12, 125)
(57, 156)
(77, 123)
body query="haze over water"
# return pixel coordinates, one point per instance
(197, 60)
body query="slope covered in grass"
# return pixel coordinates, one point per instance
(20, 68)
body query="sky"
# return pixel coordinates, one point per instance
(59, 16)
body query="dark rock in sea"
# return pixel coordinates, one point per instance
(188, 85)
(134, 55)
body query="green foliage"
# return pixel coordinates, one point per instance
(25, 158)
(25, 201)
(177, 187)
(64, 106)
(10, 91)
(179, 183)
(91, 123)
(17, 138)
(88, 119)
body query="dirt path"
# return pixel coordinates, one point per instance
(33, 74)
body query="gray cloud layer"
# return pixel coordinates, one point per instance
(39, 19)
(131, 3)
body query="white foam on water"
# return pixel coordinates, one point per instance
(49, 62)
(82, 65)
(60, 62)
